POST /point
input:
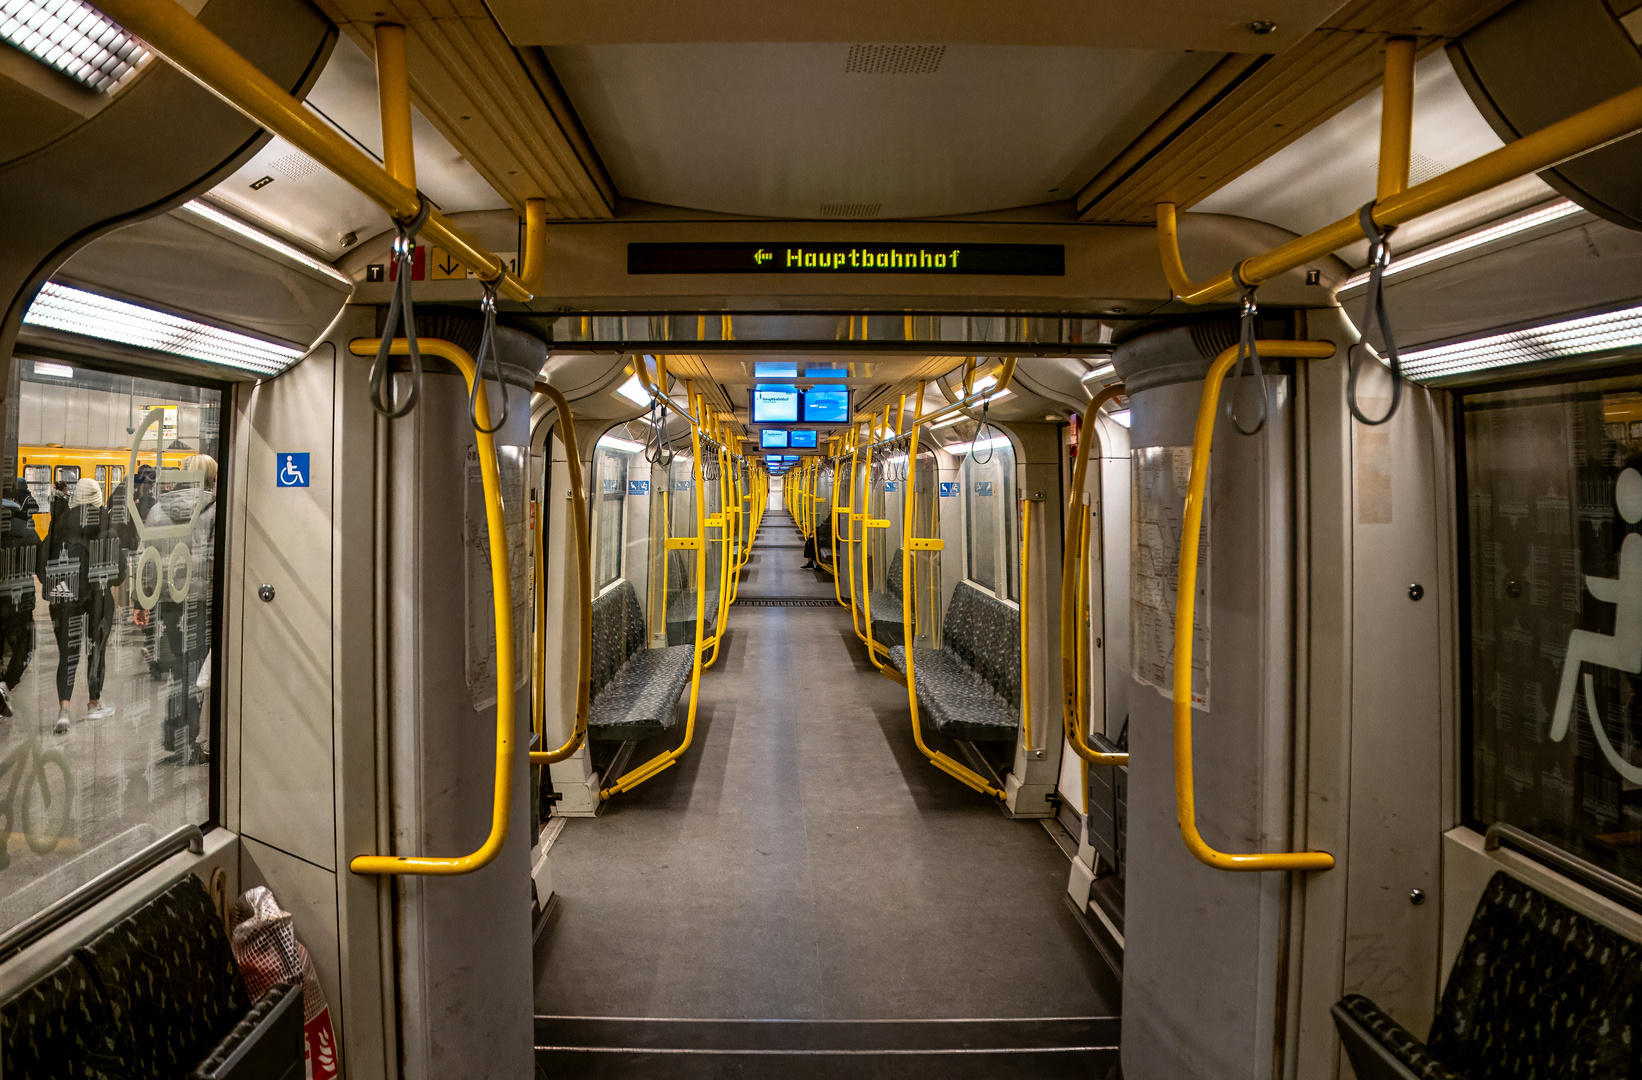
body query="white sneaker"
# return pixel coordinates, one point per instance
(61, 727)
(101, 712)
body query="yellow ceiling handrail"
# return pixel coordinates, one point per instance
(584, 584)
(501, 592)
(1185, 606)
(184, 42)
(1072, 559)
(1584, 131)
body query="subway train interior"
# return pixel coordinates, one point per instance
(552, 539)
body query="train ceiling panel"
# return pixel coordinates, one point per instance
(1161, 25)
(1330, 171)
(501, 107)
(833, 130)
(1246, 116)
(291, 193)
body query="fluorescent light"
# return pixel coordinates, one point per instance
(1121, 416)
(982, 383)
(948, 422)
(1510, 226)
(75, 311)
(633, 391)
(1100, 372)
(624, 446)
(74, 38)
(999, 396)
(1571, 337)
(267, 240)
(984, 444)
(56, 371)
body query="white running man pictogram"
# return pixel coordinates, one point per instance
(1623, 650)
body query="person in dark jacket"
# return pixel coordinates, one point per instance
(19, 565)
(84, 562)
(185, 626)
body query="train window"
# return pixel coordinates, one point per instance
(106, 632)
(988, 470)
(1553, 499)
(611, 457)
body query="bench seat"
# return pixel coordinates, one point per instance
(1537, 990)
(960, 703)
(887, 616)
(638, 702)
(635, 689)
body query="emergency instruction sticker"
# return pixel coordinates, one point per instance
(1159, 475)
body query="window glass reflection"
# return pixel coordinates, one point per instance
(108, 546)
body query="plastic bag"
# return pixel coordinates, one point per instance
(268, 953)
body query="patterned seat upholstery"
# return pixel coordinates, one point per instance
(59, 1026)
(681, 601)
(634, 688)
(169, 978)
(1537, 990)
(971, 688)
(887, 614)
(151, 996)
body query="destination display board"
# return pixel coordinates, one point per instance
(1044, 260)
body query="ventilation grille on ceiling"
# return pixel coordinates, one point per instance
(1421, 168)
(296, 166)
(894, 59)
(851, 209)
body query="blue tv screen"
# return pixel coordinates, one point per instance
(801, 440)
(774, 403)
(826, 405)
(770, 438)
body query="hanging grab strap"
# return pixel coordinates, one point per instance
(1248, 354)
(487, 346)
(404, 252)
(1379, 257)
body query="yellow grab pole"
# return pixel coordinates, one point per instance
(1597, 126)
(168, 29)
(533, 259)
(1073, 557)
(501, 591)
(1006, 374)
(393, 94)
(665, 760)
(1026, 623)
(1396, 118)
(584, 584)
(910, 546)
(1185, 606)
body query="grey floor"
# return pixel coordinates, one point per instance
(805, 862)
(775, 568)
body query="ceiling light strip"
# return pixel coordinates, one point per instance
(1572, 337)
(75, 311)
(75, 38)
(267, 240)
(1543, 215)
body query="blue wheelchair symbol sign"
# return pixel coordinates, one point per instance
(889, 485)
(983, 487)
(948, 490)
(291, 470)
(638, 487)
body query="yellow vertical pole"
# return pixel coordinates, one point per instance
(1396, 118)
(393, 90)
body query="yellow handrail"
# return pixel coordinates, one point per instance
(665, 760)
(168, 29)
(1594, 127)
(1071, 578)
(501, 591)
(584, 568)
(1185, 784)
(1026, 624)
(910, 548)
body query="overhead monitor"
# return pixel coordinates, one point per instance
(775, 369)
(800, 439)
(773, 438)
(825, 405)
(812, 371)
(773, 403)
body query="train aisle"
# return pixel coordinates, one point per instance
(805, 862)
(775, 571)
